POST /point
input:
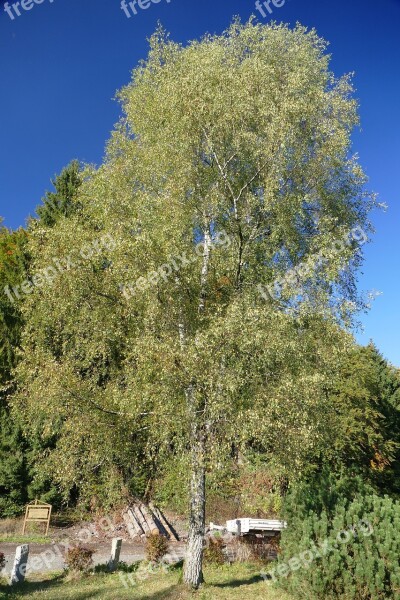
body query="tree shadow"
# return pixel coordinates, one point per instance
(163, 595)
(29, 587)
(239, 582)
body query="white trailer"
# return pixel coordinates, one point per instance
(267, 527)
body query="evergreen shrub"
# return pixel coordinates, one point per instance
(351, 553)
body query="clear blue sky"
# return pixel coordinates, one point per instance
(62, 61)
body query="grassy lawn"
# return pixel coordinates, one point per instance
(223, 583)
(24, 539)
(11, 532)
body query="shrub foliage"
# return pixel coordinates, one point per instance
(355, 551)
(214, 553)
(79, 559)
(156, 547)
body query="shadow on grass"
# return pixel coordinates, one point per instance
(238, 582)
(167, 594)
(29, 587)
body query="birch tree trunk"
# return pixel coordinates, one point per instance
(193, 575)
(193, 572)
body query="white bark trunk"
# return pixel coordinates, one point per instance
(204, 269)
(193, 571)
(193, 574)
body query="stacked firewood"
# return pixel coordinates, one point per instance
(141, 520)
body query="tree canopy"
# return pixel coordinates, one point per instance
(230, 167)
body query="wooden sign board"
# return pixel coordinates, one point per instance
(37, 512)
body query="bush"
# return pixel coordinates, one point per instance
(156, 547)
(251, 548)
(349, 553)
(260, 549)
(214, 552)
(237, 551)
(79, 559)
(123, 567)
(2, 561)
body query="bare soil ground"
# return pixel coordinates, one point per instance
(46, 554)
(50, 557)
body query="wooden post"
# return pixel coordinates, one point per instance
(20, 562)
(139, 530)
(48, 522)
(39, 512)
(149, 520)
(131, 529)
(172, 534)
(141, 519)
(115, 553)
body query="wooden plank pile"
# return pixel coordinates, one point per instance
(141, 520)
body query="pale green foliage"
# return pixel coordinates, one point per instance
(247, 133)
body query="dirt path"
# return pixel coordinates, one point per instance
(44, 558)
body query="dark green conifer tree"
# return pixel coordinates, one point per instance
(62, 202)
(18, 455)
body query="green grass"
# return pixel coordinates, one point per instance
(11, 532)
(236, 582)
(24, 539)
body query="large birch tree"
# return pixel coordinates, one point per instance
(229, 169)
